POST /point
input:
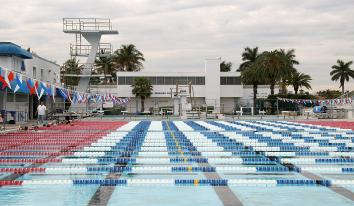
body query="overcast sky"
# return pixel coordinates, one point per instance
(177, 35)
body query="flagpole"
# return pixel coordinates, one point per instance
(5, 112)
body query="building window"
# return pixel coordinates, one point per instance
(160, 80)
(191, 80)
(168, 81)
(23, 66)
(42, 74)
(200, 81)
(34, 73)
(180, 80)
(152, 80)
(230, 80)
(121, 80)
(129, 80)
(165, 80)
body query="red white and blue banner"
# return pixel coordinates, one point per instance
(17, 82)
(342, 101)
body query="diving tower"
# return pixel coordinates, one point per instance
(90, 29)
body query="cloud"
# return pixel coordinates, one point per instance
(177, 35)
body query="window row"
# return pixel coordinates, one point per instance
(180, 80)
(165, 80)
(230, 80)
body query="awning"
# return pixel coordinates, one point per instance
(11, 49)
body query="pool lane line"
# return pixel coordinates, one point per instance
(225, 194)
(15, 176)
(103, 193)
(335, 188)
(68, 148)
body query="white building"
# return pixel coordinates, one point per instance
(20, 105)
(221, 90)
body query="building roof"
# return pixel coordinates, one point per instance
(11, 49)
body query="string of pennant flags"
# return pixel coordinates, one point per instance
(17, 82)
(342, 101)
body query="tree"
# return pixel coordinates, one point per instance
(288, 68)
(142, 88)
(342, 72)
(104, 65)
(249, 56)
(252, 76)
(71, 66)
(128, 58)
(271, 63)
(329, 94)
(225, 66)
(299, 80)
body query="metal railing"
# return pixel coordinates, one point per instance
(104, 49)
(87, 24)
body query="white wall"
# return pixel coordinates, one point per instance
(212, 82)
(228, 104)
(12, 63)
(231, 91)
(51, 70)
(158, 90)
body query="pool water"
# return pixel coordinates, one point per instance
(179, 163)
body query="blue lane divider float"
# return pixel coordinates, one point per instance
(186, 182)
(105, 182)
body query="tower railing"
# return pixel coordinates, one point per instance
(86, 24)
(104, 49)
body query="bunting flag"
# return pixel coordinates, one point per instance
(62, 93)
(41, 89)
(52, 88)
(31, 87)
(5, 78)
(325, 101)
(2, 79)
(17, 82)
(77, 98)
(36, 86)
(20, 84)
(80, 99)
(10, 77)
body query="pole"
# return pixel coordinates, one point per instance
(28, 108)
(5, 112)
(277, 106)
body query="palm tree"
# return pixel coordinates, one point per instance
(288, 67)
(142, 88)
(271, 63)
(128, 58)
(299, 80)
(342, 72)
(225, 66)
(104, 65)
(71, 66)
(249, 56)
(252, 76)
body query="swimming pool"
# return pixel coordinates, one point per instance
(178, 163)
